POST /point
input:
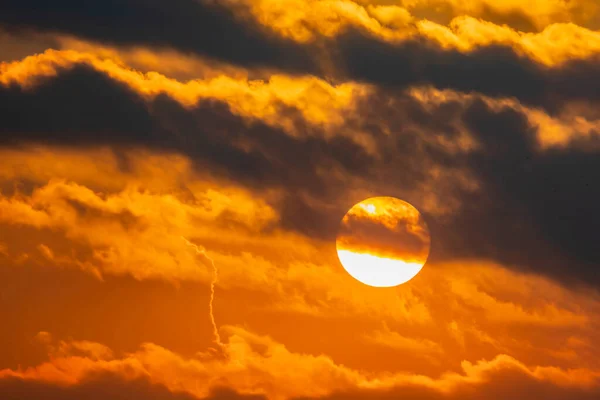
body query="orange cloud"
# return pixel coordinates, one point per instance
(319, 102)
(256, 364)
(421, 347)
(131, 222)
(553, 131)
(131, 225)
(559, 38)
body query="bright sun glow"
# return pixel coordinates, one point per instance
(370, 208)
(383, 242)
(378, 271)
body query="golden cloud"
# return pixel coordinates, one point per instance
(319, 102)
(132, 224)
(254, 364)
(559, 39)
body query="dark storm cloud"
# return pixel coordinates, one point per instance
(78, 106)
(84, 107)
(537, 208)
(492, 70)
(201, 27)
(104, 388)
(214, 136)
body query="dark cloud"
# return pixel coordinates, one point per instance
(18, 45)
(105, 387)
(493, 70)
(253, 152)
(536, 209)
(84, 107)
(490, 70)
(365, 234)
(201, 27)
(78, 106)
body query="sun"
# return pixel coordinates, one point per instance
(383, 242)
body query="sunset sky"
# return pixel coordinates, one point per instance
(173, 175)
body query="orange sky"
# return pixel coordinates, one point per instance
(130, 134)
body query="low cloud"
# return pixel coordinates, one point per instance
(253, 364)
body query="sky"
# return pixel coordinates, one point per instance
(173, 177)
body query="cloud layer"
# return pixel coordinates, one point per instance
(247, 128)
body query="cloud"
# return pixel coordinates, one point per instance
(394, 340)
(467, 162)
(377, 16)
(86, 217)
(136, 231)
(193, 26)
(131, 225)
(259, 365)
(18, 46)
(547, 69)
(279, 100)
(544, 188)
(105, 387)
(465, 27)
(417, 62)
(77, 107)
(165, 124)
(385, 227)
